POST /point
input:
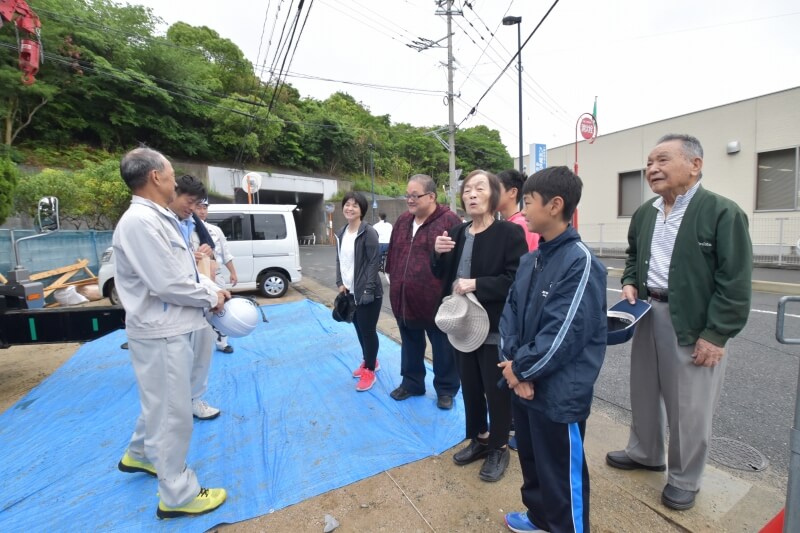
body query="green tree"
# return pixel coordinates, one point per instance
(94, 196)
(49, 182)
(481, 147)
(226, 64)
(423, 152)
(246, 129)
(9, 177)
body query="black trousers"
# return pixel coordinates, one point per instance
(555, 477)
(479, 376)
(365, 321)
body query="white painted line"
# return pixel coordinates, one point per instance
(772, 313)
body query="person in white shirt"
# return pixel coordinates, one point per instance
(222, 256)
(357, 263)
(384, 230)
(165, 301)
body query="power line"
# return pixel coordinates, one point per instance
(263, 31)
(239, 160)
(369, 24)
(551, 107)
(484, 49)
(379, 15)
(511, 61)
(507, 51)
(282, 82)
(392, 88)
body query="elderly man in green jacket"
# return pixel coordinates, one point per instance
(689, 253)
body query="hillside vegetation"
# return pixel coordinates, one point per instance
(109, 82)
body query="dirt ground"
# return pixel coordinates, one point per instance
(429, 495)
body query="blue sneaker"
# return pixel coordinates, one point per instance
(512, 442)
(520, 523)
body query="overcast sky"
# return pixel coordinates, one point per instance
(644, 60)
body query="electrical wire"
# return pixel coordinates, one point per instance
(510, 62)
(392, 88)
(541, 91)
(238, 161)
(373, 25)
(552, 107)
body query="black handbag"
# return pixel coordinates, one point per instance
(344, 307)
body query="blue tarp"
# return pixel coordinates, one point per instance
(292, 427)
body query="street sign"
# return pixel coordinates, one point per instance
(587, 128)
(539, 154)
(329, 208)
(251, 182)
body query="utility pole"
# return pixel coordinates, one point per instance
(511, 21)
(450, 110)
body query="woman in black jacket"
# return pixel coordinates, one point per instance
(481, 256)
(357, 265)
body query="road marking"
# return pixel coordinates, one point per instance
(772, 313)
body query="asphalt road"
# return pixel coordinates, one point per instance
(757, 404)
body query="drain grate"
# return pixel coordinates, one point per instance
(735, 454)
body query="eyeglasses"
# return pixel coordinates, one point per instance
(416, 197)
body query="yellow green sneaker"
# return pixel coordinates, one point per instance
(205, 502)
(131, 465)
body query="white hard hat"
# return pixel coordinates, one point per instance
(238, 318)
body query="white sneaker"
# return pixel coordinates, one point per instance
(203, 411)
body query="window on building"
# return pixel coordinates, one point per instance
(777, 187)
(268, 227)
(631, 192)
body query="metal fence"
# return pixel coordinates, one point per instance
(54, 250)
(775, 240)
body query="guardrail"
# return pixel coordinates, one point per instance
(792, 510)
(775, 240)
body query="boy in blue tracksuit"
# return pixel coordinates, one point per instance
(553, 341)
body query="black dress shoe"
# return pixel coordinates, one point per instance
(495, 464)
(444, 402)
(227, 349)
(678, 499)
(471, 453)
(124, 346)
(621, 460)
(400, 394)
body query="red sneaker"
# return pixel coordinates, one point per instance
(366, 381)
(357, 371)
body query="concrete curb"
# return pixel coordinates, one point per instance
(775, 287)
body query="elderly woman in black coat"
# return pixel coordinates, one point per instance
(481, 257)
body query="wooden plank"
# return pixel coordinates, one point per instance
(61, 270)
(59, 283)
(80, 282)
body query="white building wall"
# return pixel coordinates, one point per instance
(223, 181)
(770, 122)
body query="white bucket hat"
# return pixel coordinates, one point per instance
(464, 320)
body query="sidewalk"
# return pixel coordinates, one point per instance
(436, 495)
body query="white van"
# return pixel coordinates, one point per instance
(262, 239)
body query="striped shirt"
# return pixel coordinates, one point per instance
(664, 233)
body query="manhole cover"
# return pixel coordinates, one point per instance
(735, 454)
